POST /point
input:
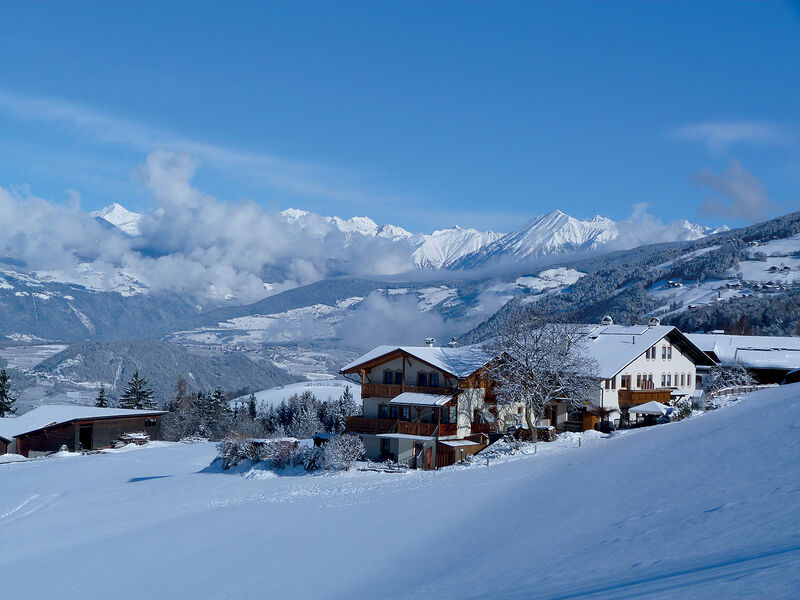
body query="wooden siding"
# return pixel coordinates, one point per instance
(3, 446)
(637, 397)
(371, 425)
(448, 455)
(104, 432)
(386, 390)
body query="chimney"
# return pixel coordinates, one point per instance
(430, 342)
(453, 342)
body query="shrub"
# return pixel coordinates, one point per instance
(310, 458)
(342, 451)
(235, 449)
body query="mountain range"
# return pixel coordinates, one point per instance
(456, 248)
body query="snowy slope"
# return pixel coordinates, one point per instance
(445, 246)
(326, 390)
(704, 509)
(121, 218)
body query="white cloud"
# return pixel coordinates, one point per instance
(744, 196)
(718, 136)
(302, 178)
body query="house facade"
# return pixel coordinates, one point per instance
(635, 364)
(426, 406)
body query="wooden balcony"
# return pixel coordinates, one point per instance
(637, 397)
(375, 426)
(485, 428)
(385, 390)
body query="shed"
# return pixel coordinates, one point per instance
(47, 428)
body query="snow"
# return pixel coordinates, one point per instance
(432, 297)
(649, 408)
(329, 389)
(119, 216)
(443, 247)
(417, 399)
(51, 414)
(550, 279)
(460, 361)
(752, 351)
(717, 516)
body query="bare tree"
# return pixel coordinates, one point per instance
(727, 376)
(539, 361)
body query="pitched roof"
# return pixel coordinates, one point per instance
(755, 351)
(614, 347)
(54, 414)
(461, 361)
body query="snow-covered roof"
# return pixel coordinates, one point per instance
(457, 443)
(54, 414)
(404, 436)
(416, 399)
(461, 361)
(754, 351)
(613, 347)
(649, 408)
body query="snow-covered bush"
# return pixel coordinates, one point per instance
(683, 409)
(726, 376)
(342, 451)
(311, 458)
(281, 452)
(235, 449)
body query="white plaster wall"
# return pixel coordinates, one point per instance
(679, 363)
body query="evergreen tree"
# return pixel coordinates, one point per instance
(6, 399)
(305, 422)
(251, 407)
(101, 401)
(137, 394)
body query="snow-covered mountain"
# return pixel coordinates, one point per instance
(444, 247)
(559, 233)
(319, 225)
(120, 217)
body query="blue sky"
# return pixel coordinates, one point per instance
(421, 115)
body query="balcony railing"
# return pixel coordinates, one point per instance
(373, 425)
(636, 397)
(386, 390)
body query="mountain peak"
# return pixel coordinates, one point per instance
(120, 217)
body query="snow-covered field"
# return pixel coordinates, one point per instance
(324, 390)
(705, 508)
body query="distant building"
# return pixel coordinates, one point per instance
(770, 358)
(47, 428)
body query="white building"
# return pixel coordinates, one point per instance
(770, 358)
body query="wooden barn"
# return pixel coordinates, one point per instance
(47, 428)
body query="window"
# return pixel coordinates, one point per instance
(683, 379)
(393, 412)
(422, 379)
(613, 383)
(676, 380)
(406, 413)
(150, 422)
(669, 352)
(669, 380)
(663, 380)
(625, 382)
(385, 448)
(388, 377)
(663, 352)
(639, 380)
(383, 411)
(398, 378)
(434, 380)
(607, 384)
